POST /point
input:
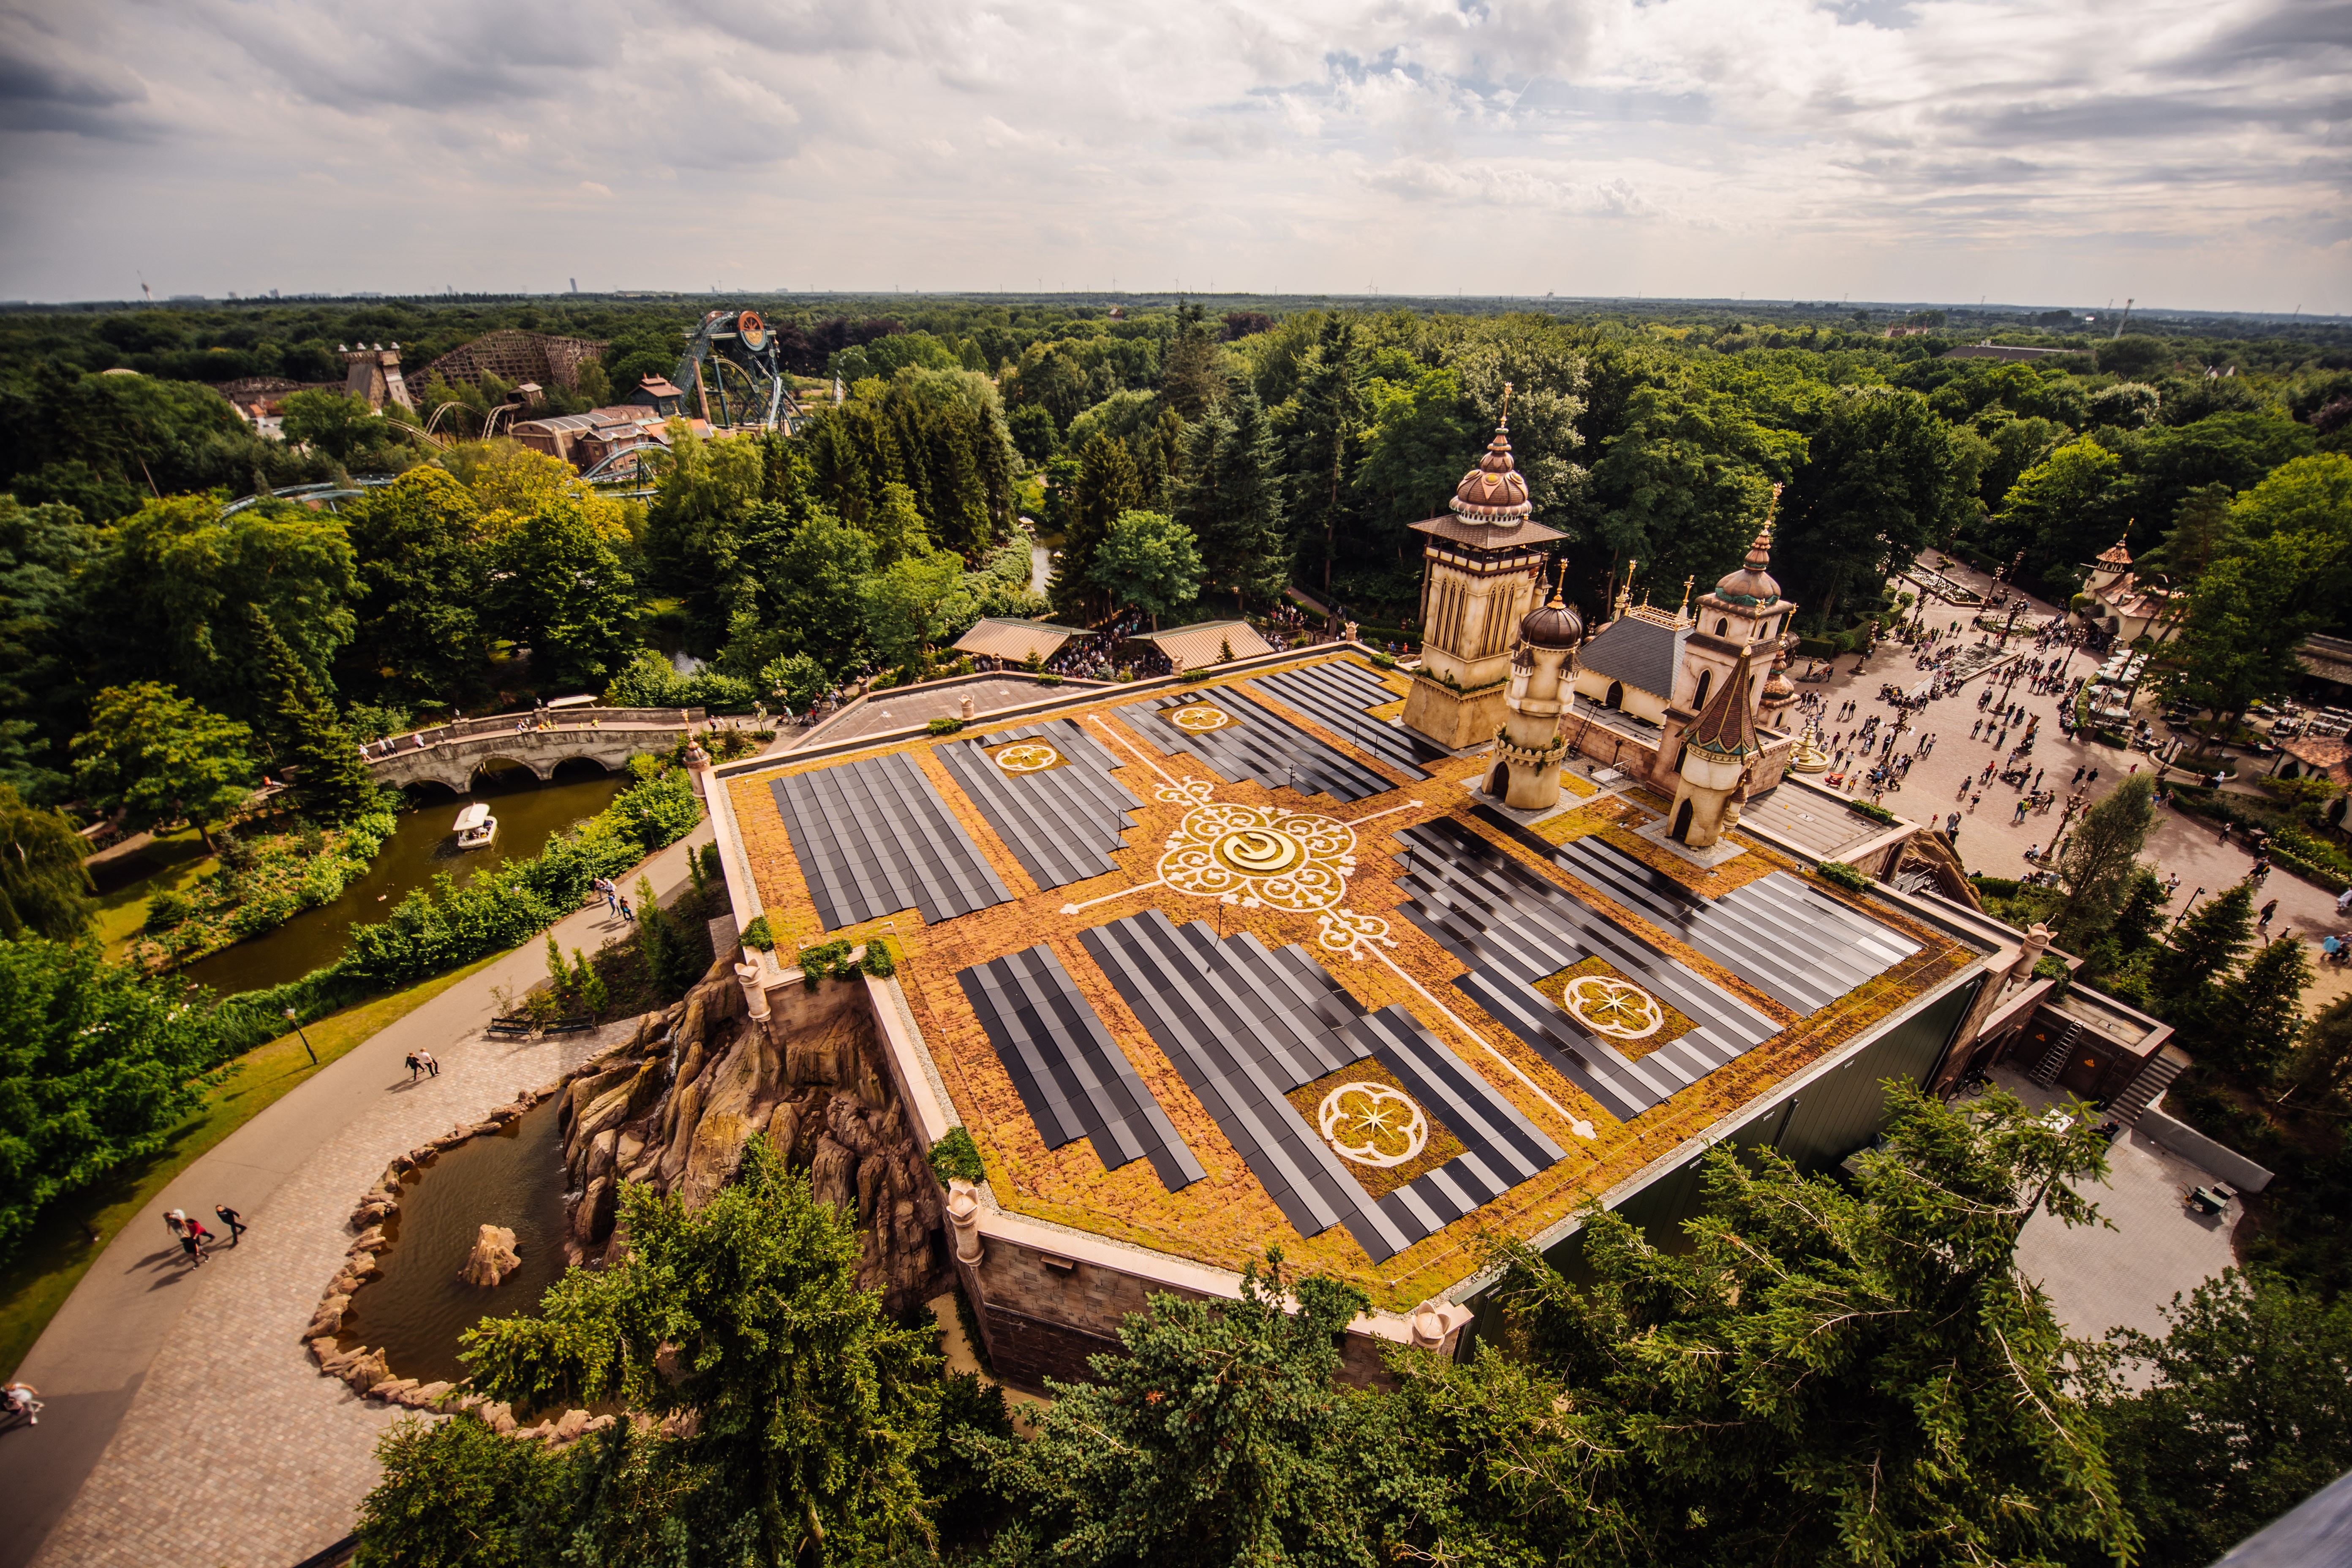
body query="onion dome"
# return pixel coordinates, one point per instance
(1555, 624)
(2115, 555)
(1493, 491)
(1777, 691)
(1752, 585)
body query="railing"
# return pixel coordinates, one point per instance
(540, 721)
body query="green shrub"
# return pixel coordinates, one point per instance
(956, 1156)
(878, 962)
(1049, 680)
(1384, 661)
(660, 811)
(1839, 874)
(830, 958)
(1871, 809)
(1995, 887)
(944, 726)
(757, 935)
(166, 909)
(1816, 647)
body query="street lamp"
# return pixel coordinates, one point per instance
(2073, 803)
(297, 1022)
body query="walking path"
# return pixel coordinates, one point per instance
(185, 1421)
(1988, 841)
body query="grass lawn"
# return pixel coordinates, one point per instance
(122, 913)
(69, 1239)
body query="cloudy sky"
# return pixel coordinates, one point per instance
(2189, 153)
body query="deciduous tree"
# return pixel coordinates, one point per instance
(1150, 561)
(43, 885)
(155, 755)
(563, 591)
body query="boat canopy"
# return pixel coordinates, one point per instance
(473, 816)
(573, 702)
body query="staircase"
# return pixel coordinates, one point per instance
(2152, 1079)
(2053, 1060)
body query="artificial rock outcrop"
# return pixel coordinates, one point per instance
(493, 1258)
(675, 1108)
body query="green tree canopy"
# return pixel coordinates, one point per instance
(2205, 945)
(43, 885)
(2244, 1413)
(1106, 486)
(332, 781)
(97, 1066)
(424, 574)
(336, 423)
(1149, 561)
(560, 588)
(811, 594)
(810, 1405)
(2065, 508)
(1881, 477)
(165, 597)
(1219, 1437)
(1230, 499)
(2101, 855)
(155, 755)
(1820, 1373)
(43, 549)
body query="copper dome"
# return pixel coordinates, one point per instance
(1495, 487)
(1556, 624)
(1752, 585)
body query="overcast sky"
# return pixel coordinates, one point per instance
(2189, 152)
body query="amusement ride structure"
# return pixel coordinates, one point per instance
(738, 344)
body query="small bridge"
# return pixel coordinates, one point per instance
(452, 755)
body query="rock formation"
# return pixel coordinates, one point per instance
(493, 1258)
(674, 1109)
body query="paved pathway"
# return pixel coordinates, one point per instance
(1987, 842)
(186, 1421)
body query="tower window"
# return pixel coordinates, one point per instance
(1722, 626)
(1705, 679)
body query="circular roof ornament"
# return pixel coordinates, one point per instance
(753, 330)
(1617, 1008)
(1373, 1124)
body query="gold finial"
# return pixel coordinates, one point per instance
(1507, 406)
(1685, 611)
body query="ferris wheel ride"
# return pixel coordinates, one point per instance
(739, 341)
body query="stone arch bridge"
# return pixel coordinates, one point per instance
(452, 755)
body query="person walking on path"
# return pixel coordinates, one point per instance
(234, 1221)
(192, 1248)
(2263, 922)
(24, 1400)
(415, 1065)
(426, 1060)
(626, 914)
(176, 1221)
(2344, 902)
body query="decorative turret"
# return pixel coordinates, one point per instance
(1483, 568)
(1713, 764)
(1528, 750)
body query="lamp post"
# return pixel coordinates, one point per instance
(297, 1022)
(2184, 911)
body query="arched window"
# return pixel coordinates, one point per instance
(1682, 823)
(1705, 679)
(1499, 781)
(1722, 626)
(1616, 698)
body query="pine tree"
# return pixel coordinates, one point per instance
(2205, 946)
(2251, 1029)
(2098, 865)
(1232, 501)
(1107, 487)
(2143, 912)
(1317, 465)
(332, 783)
(1188, 384)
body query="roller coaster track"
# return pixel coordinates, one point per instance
(739, 340)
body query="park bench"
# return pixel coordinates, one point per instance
(512, 1027)
(571, 1025)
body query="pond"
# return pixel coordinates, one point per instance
(419, 1306)
(424, 845)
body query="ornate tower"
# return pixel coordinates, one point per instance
(1482, 572)
(1529, 751)
(1714, 767)
(1743, 613)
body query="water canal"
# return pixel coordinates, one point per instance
(423, 846)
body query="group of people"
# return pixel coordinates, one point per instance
(195, 1239)
(421, 1062)
(615, 903)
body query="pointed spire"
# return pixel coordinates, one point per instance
(1684, 613)
(1727, 728)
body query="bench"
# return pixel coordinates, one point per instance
(571, 1025)
(514, 1026)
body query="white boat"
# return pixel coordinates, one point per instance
(475, 827)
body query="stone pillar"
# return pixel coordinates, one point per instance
(698, 768)
(963, 1215)
(964, 708)
(752, 978)
(2037, 943)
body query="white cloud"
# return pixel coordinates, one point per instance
(2184, 150)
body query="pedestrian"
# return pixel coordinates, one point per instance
(2092, 779)
(414, 1066)
(196, 1231)
(24, 1400)
(2344, 902)
(176, 1221)
(1951, 825)
(191, 1250)
(626, 914)
(1972, 804)
(2079, 771)
(231, 1218)
(2263, 922)
(432, 1067)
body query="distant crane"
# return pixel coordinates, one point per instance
(2122, 319)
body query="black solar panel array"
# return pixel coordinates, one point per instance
(1263, 746)
(1062, 823)
(1334, 695)
(1513, 927)
(1073, 1077)
(1500, 1147)
(873, 837)
(1244, 1025)
(1797, 947)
